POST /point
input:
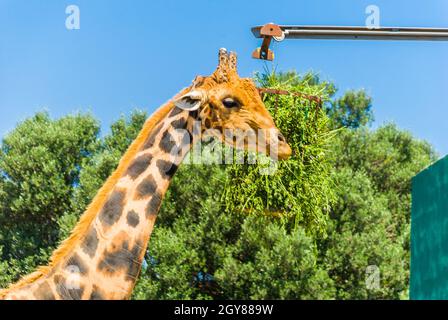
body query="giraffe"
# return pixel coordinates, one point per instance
(102, 257)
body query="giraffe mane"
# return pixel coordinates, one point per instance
(80, 230)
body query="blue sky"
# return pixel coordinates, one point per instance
(139, 53)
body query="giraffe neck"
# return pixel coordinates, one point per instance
(105, 261)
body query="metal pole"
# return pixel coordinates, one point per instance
(331, 32)
(279, 33)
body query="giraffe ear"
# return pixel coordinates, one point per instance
(191, 101)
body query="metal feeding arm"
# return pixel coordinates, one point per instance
(272, 31)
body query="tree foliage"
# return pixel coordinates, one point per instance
(370, 223)
(40, 164)
(352, 110)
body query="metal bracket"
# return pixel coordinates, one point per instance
(267, 32)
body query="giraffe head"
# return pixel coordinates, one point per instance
(230, 108)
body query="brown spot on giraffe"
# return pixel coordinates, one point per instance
(152, 138)
(122, 258)
(153, 205)
(146, 188)
(90, 243)
(179, 123)
(44, 292)
(139, 166)
(133, 219)
(208, 123)
(175, 112)
(167, 169)
(97, 294)
(113, 208)
(167, 144)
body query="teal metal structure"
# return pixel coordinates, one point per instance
(429, 233)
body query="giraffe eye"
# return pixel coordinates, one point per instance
(230, 103)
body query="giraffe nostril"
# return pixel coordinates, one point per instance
(281, 138)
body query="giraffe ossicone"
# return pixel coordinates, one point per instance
(102, 257)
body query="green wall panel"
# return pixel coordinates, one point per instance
(429, 233)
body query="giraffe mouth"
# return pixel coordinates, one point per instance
(284, 150)
(278, 149)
